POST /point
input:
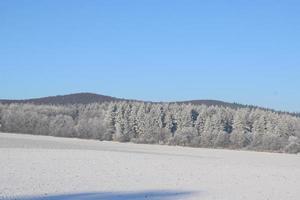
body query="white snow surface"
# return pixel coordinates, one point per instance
(49, 168)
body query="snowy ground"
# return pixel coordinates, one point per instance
(40, 167)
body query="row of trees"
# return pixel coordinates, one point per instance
(172, 124)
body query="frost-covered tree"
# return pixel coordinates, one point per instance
(162, 123)
(241, 135)
(2, 108)
(259, 128)
(62, 125)
(293, 145)
(109, 122)
(91, 128)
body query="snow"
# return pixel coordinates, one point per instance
(42, 167)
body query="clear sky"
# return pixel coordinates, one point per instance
(245, 51)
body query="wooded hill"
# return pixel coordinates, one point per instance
(159, 123)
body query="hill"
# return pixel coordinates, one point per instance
(78, 98)
(88, 98)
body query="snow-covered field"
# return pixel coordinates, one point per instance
(41, 167)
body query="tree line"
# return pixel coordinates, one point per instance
(159, 123)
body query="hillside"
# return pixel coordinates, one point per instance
(48, 168)
(88, 98)
(78, 98)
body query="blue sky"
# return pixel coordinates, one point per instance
(237, 51)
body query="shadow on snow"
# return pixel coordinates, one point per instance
(151, 195)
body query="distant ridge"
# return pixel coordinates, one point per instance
(78, 98)
(88, 98)
(214, 103)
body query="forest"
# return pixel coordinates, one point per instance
(159, 123)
